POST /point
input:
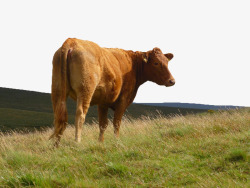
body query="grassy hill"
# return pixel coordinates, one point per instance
(202, 150)
(20, 109)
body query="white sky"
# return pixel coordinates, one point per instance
(210, 41)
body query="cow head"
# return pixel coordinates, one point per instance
(156, 67)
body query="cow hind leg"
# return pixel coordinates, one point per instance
(83, 103)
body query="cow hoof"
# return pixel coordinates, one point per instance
(101, 140)
(78, 140)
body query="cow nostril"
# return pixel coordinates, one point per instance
(172, 81)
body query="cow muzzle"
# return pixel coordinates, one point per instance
(170, 82)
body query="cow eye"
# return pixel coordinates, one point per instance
(156, 63)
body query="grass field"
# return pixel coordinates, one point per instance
(202, 150)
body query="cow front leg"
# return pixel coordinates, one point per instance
(103, 121)
(117, 119)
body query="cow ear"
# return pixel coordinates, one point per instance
(169, 56)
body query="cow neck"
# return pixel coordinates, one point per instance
(139, 68)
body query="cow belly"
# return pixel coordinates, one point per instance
(106, 93)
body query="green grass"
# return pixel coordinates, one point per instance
(203, 150)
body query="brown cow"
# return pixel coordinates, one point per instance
(107, 77)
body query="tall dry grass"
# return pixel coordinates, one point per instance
(202, 150)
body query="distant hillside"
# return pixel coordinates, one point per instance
(193, 106)
(20, 109)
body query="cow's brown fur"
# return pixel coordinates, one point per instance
(107, 77)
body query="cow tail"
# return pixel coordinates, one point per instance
(59, 94)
